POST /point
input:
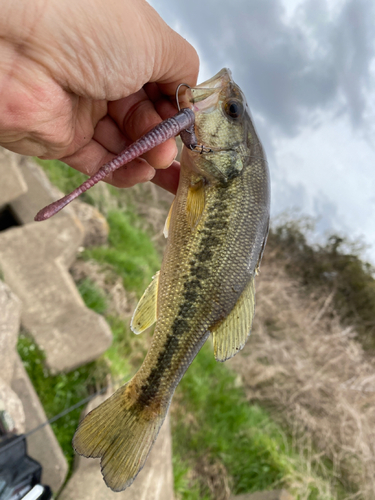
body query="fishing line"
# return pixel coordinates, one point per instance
(61, 414)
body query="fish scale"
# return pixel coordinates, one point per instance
(217, 229)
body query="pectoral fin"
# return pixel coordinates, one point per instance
(145, 313)
(195, 203)
(231, 334)
(168, 222)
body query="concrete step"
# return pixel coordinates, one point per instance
(10, 311)
(34, 259)
(12, 184)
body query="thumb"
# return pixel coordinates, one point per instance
(175, 59)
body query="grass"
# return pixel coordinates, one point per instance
(227, 429)
(335, 265)
(59, 392)
(214, 424)
(93, 296)
(186, 488)
(130, 252)
(238, 434)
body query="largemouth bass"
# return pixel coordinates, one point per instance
(217, 229)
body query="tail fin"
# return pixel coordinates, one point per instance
(121, 435)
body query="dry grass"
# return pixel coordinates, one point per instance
(214, 477)
(310, 371)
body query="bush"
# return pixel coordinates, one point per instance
(335, 265)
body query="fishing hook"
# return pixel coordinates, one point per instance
(178, 88)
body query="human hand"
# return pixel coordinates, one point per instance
(80, 80)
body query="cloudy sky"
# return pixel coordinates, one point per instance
(307, 68)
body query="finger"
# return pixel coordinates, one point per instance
(168, 179)
(108, 135)
(163, 105)
(91, 157)
(135, 115)
(135, 172)
(153, 92)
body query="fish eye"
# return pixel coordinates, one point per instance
(233, 108)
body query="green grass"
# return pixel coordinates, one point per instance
(130, 252)
(59, 392)
(93, 296)
(185, 487)
(227, 428)
(224, 428)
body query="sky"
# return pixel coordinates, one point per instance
(307, 68)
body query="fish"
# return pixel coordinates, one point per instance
(217, 229)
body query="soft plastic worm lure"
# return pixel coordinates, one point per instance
(182, 123)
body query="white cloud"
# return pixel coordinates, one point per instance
(336, 168)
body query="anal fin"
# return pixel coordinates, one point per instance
(145, 313)
(230, 335)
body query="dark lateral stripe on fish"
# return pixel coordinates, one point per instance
(200, 271)
(151, 387)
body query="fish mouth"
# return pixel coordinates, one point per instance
(205, 96)
(220, 80)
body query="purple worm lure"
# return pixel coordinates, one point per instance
(182, 123)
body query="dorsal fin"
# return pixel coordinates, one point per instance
(145, 313)
(231, 334)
